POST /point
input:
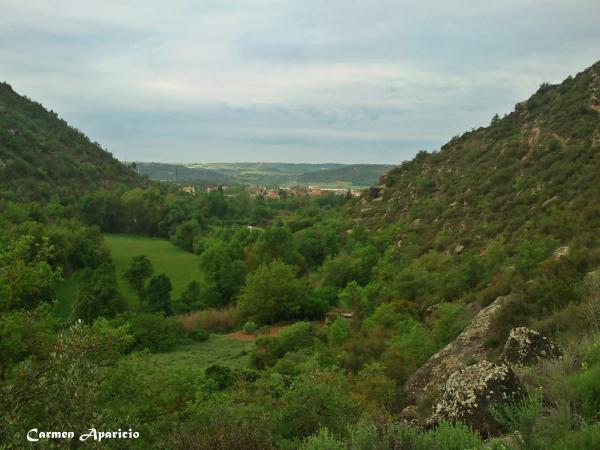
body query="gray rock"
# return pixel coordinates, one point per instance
(466, 347)
(526, 347)
(410, 416)
(560, 252)
(470, 392)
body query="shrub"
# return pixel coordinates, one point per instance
(339, 331)
(450, 321)
(316, 400)
(200, 335)
(221, 375)
(323, 440)
(520, 417)
(450, 436)
(250, 327)
(292, 338)
(586, 385)
(152, 331)
(221, 423)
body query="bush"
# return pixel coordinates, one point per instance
(250, 327)
(520, 417)
(292, 338)
(323, 440)
(339, 331)
(152, 331)
(200, 335)
(220, 422)
(586, 385)
(221, 375)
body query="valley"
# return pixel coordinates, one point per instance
(225, 318)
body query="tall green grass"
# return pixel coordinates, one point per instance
(180, 266)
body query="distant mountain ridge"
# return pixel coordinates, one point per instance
(265, 173)
(40, 154)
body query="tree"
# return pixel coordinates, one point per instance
(339, 331)
(185, 234)
(224, 274)
(271, 293)
(191, 299)
(158, 294)
(54, 391)
(26, 276)
(98, 295)
(139, 270)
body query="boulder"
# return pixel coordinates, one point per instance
(525, 347)
(561, 252)
(470, 392)
(465, 348)
(410, 416)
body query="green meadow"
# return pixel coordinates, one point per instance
(180, 266)
(218, 349)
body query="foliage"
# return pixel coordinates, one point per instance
(158, 294)
(55, 392)
(137, 273)
(98, 294)
(271, 294)
(26, 275)
(339, 331)
(152, 331)
(323, 440)
(250, 327)
(200, 335)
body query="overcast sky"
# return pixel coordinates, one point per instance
(289, 81)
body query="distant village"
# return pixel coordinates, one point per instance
(281, 191)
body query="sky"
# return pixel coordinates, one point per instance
(352, 81)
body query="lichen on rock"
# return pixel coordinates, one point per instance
(526, 347)
(470, 392)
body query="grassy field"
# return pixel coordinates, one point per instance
(180, 266)
(218, 349)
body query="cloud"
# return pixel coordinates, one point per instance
(302, 80)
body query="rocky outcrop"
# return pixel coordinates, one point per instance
(470, 392)
(410, 416)
(561, 252)
(467, 346)
(525, 347)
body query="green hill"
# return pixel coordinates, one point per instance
(41, 155)
(357, 174)
(535, 170)
(179, 173)
(265, 174)
(483, 216)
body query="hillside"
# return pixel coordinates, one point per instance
(265, 174)
(40, 153)
(535, 170)
(494, 210)
(357, 174)
(179, 173)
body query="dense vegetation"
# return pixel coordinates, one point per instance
(357, 174)
(43, 158)
(410, 262)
